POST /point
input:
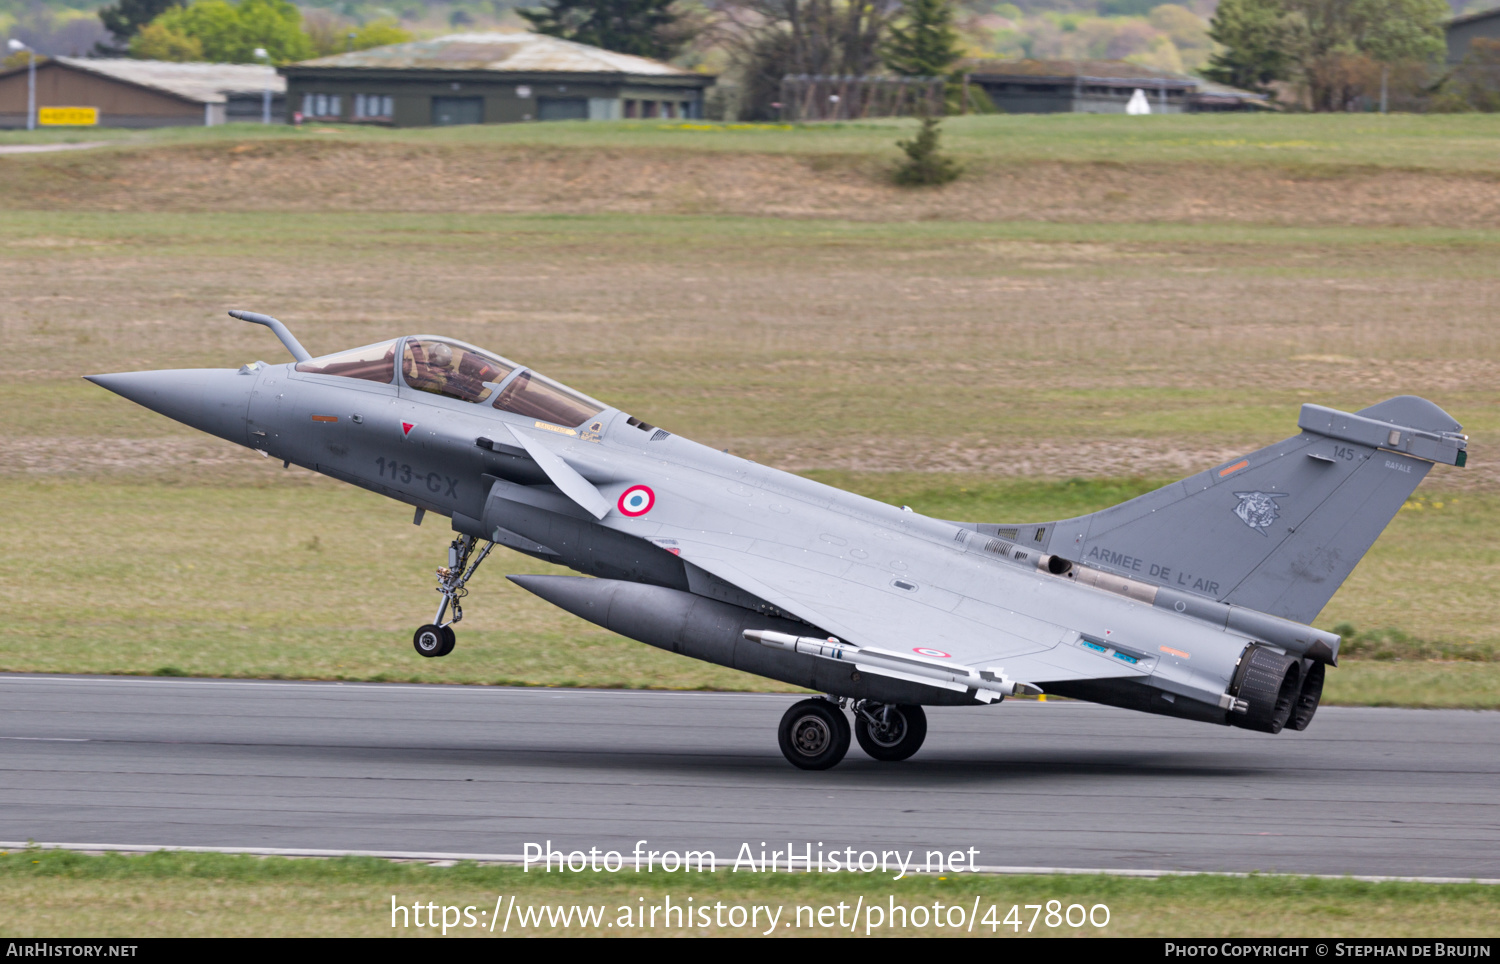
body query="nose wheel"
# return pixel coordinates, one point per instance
(433, 640)
(437, 637)
(814, 734)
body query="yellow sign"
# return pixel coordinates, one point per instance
(67, 116)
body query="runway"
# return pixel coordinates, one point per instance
(481, 770)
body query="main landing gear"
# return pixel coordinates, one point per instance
(437, 637)
(888, 732)
(814, 734)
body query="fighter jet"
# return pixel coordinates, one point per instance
(1191, 601)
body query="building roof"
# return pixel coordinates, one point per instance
(204, 83)
(515, 51)
(1114, 72)
(1473, 17)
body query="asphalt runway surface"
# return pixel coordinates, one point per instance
(480, 770)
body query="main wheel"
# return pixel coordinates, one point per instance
(450, 639)
(814, 735)
(902, 734)
(433, 641)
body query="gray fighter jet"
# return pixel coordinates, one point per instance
(1191, 601)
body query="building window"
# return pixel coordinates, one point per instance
(373, 107)
(632, 108)
(322, 105)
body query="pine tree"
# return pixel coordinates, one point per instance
(645, 28)
(1253, 38)
(925, 165)
(923, 43)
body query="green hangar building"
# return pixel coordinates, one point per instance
(489, 78)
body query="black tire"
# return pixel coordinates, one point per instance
(450, 639)
(814, 735)
(430, 641)
(906, 729)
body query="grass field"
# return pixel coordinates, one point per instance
(1453, 142)
(60, 894)
(903, 345)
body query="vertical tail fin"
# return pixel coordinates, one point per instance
(1279, 530)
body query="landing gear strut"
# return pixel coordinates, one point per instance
(437, 637)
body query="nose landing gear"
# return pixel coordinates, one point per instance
(437, 637)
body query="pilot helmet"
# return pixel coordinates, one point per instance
(439, 355)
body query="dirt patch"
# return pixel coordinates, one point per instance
(71, 455)
(270, 176)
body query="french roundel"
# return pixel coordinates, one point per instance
(637, 500)
(924, 651)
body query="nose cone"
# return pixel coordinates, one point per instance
(212, 400)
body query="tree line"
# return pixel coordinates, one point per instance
(224, 32)
(1329, 52)
(768, 38)
(1334, 49)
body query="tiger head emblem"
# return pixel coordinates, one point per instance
(1258, 509)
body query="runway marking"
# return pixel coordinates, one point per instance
(787, 865)
(47, 148)
(549, 692)
(48, 739)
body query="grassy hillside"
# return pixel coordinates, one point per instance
(1316, 172)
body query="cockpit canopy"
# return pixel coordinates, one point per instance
(456, 370)
(373, 363)
(449, 368)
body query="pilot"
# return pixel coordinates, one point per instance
(439, 358)
(431, 365)
(435, 366)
